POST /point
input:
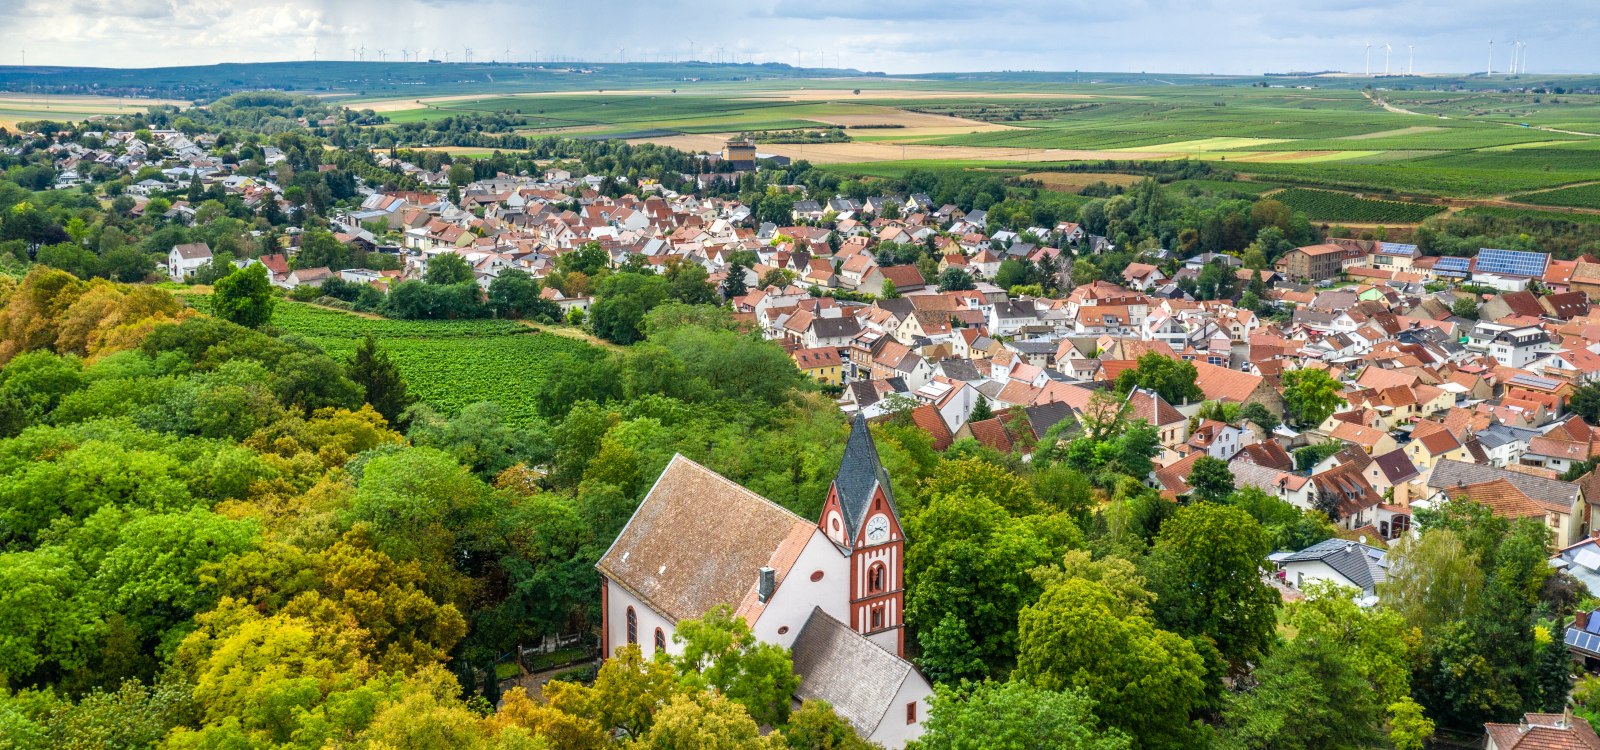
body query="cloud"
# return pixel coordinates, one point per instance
(900, 36)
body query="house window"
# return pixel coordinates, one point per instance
(661, 641)
(911, 712)
(875, 578)
(877, 618)
(633, 626)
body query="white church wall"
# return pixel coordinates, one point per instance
(792, 603)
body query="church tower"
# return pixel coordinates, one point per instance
(861, 519)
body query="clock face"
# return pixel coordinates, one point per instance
(878, 529)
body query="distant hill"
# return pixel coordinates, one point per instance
(390, 79)
(368, 79)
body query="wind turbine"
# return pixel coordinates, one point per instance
(1369, 59)
(1411, 59)
(1387, 48)
(383, 54)
(469, 55)
(355, 53)
(508, 54)
(1491, 57)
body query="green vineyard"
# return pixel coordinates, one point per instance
(1325, 205)
(1582, 196)
(446, 363)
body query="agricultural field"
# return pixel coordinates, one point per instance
(1326, 133)
(449, 364)
(1075, 182)
(1583, 196)
(1326, 205)
(15, 108)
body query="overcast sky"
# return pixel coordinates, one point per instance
(896, 36)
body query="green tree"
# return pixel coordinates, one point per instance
(888, 291)
(320, 249)
(734, 285)
(967, 571)
(1210, 478)
(588, 259)
(1433, 580)
(515, 294)
(1309, 697)
(1310, 396)
(955, 280)
(701, 719)
(1585, 402)
(379, 378)
(1013, 272)
(1465, 307)
(1206, 570)
(445, 269)
(1172, 379)
(720, 652)
(691, 284)
(244, 297)
(815, 726)
(1145, 681)
(1013, 716)
(981, 411)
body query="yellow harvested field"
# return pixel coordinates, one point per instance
(15, 108)
(848, 153)
(1415, 130)
(1072, 182)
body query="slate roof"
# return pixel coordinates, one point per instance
(1363, 565)
(838, 665)
(1396, 467)
(1045, 416)
(860, 475)
(681, 564)
(959, 369)
(1449, 474)
(843, 326)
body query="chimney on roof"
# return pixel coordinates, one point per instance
(768, 584)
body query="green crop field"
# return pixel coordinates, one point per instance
(449, 364)
(1582, 196)
(1325, 205)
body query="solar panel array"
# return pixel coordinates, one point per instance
(1452, 266)
(1395, 248)
(1512, 262)
(1535, 382)
(1583, 639)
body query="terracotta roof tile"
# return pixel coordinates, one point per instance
(674, 560)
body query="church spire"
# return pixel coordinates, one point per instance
(860, 476)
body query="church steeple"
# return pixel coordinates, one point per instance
(861, 476)
(861, 519)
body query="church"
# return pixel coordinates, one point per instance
(830, 590)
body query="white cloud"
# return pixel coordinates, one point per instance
(1180, 36)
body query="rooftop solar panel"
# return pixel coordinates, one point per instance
(1452, 263)
(1397, 248)
(1536, 382)
(1512, 262)
(1583, 640)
